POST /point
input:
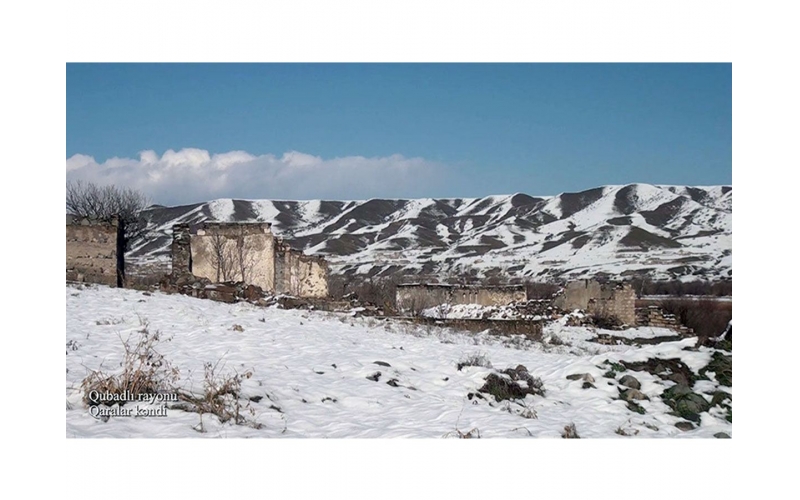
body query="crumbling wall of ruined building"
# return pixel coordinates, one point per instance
(605, 300)
(299, 274)
(95, 251)
(181, 250)
(500, 295)
(233, 252)
(655, 316)
(413, 298)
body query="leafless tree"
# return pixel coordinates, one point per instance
(222, 257)
(87, 199)
(245, 258)
(232, 257)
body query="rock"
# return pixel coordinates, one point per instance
(374, 377)
(690, 406)
(393, 382)
(722, 366)
(586, 377)
(663, 368)
(634, 407)
(381, 363)
(588, 385)
(684, 425)
(630, 381)
(719, 398)
(252, 293)
(632, 394)
(677, 391)
(722, 435)
(678, 378)
(503, 388)
(685, 402)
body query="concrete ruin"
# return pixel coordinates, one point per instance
(95, 251)
(249, 253)
(604, 300)
(413, 298)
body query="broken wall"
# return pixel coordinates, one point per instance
(299, 274)
(181, 249)
(415, 298)
(233, 252)
(95, 252)
(605, 300)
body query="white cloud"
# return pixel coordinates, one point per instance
(192, 175)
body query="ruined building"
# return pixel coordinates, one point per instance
(605, 300)
(413, 298)
(95, 251)
(250, 253)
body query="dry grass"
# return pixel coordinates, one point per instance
(144, 371)
(221, 396)
(476, 359)
(707, 317)
(570, 432)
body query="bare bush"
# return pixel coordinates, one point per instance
(536, 291)
(221, 395)
(476, 359)
(232, 257)
(144, 371)
(677, 288)
(221, 257)
(707, 317)
(380, 292)
(102, 203)
(147, 372)
(474, 433)
(570, 432)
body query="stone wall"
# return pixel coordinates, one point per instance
(299, 274)
(95, 252)
(232, 252)
(181, 249)
(605, 300)
(416, 297)
(656, 317)
(249, 253)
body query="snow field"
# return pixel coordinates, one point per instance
(314, 367)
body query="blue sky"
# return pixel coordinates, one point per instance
(189, 132)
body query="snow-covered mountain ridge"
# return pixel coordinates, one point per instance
(663, 231)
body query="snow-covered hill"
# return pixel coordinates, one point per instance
(317, 374)
(663, 231)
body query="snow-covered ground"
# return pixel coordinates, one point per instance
(312, 373)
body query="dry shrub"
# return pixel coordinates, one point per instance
(476, 359)
(221, 396)
(378, 291)
(707, 317)
(541, 290)
(471, 434)
(680, 288)
(144, 371)
(570, 432)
